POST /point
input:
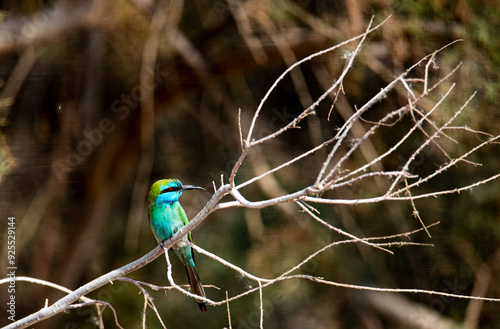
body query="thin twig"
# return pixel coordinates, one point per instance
(147, 301)
(333, 228)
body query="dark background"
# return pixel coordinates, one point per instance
(77, 154)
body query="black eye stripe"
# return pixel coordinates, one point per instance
(170, 189)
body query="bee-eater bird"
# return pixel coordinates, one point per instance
(166, 217)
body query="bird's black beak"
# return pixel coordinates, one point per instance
(191, 187)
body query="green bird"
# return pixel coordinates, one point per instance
(166, 217)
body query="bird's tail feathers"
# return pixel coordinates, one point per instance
(196, 286)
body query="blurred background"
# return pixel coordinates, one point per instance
(99, 99)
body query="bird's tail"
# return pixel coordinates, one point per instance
(196, 286)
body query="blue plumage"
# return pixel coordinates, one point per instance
(166, 217)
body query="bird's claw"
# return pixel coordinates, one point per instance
(162, 244)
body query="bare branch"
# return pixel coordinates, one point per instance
(333, 228)
(63, 303)
(335, 170)
(147, 301)
(98, 303)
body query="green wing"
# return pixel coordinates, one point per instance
(183, 217)
(185, 221)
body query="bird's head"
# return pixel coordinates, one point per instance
(169, 190)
